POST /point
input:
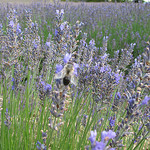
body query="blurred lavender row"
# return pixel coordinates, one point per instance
(124, 23)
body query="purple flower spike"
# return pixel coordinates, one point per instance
(117, 77)
(102, 69)
(56, 32)
(105, 38)
(118, 95)
(18, 28)
(57, 12)
(62, 26)
(58, 68)
(43, 147)
(11, 23)
(145, 101)
(99, 146)
(67, 57)
(62, 11)
(48, 87)
(1, 26)
(76, 66)
(104, 56)
(112, 121)
(92, 138)
(43, 83)
(92, 42)
(32, 24)
(13, 87)
(40, 146)
(107, 135)
(48, 44)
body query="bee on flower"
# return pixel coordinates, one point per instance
(68, 74)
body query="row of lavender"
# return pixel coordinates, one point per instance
(110, 98)
(124, 23)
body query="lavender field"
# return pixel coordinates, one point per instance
(74, 76)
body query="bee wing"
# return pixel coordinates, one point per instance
(59, 75)
(74, 80)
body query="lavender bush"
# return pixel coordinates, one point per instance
(66, 87)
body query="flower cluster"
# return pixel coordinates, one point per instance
(40, 146)
(105, 137)
(44, 91)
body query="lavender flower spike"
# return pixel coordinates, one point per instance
(61, 12)
(76, 66)
(107, 135)
(40, 146)
(58, 68)
(11, 23)
(67, 57)
(95, 145)
(99, 146)
(92, 138)
(145, 101)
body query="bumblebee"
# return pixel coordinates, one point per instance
(67, 75)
